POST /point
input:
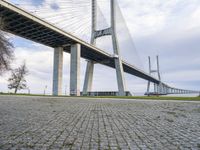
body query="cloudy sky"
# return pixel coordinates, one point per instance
(170, 29)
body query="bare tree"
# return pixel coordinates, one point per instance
(6, 53)
(17, 80)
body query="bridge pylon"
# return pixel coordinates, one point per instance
(158, 88)
(117, 57)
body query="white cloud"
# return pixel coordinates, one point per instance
(183, 75)
(146, 17)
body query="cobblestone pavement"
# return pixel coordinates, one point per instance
(75, 123)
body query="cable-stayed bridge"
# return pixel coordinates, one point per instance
(22, 23)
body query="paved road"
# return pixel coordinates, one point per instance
(75, 123)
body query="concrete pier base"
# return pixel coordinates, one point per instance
(75, 70)
(57, 71)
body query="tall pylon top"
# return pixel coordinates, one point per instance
(107, 31)
(157, 70)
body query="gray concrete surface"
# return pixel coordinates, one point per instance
(58, 71)
(75, 70)
(75, 123)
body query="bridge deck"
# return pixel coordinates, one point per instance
(24, 24)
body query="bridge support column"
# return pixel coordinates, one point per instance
(161, 89)
(148, 88)
(149, 84)
(118, 62)
(154, 87)
(164, 89)
(120, 77)
(157, 89)
(87, 87)
(75, 70)
(57, 71)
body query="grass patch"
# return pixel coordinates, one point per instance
(24, 94)
(116, 97)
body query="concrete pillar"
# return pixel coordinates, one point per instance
(154, 88)
(57, 71)
(118, 62)
(158, 88)
(167, 90)
(149, 84)
(75, 70)
(87, 87)
(148, 87)
(120, 77)
(164, 89)
(161, 89)
(90, 64)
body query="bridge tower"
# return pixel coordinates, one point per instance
(157, 88)
(117, 57)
